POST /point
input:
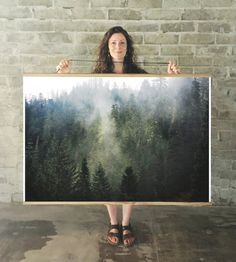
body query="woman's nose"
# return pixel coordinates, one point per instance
(118, 45)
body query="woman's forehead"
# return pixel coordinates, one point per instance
(117, 37)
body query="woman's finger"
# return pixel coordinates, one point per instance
(63, 66)
(169, 69)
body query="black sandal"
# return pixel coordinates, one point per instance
(113, 234)
(128, 235)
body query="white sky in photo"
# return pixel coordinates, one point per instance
(33, 86)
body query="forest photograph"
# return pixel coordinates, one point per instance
(113, 138)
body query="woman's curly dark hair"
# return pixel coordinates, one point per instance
(104, 62)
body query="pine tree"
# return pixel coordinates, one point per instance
(66, 170)
(200, 176)
(82, 187)
(129, 184)
(100, 186)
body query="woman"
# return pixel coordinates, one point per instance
(116, 55)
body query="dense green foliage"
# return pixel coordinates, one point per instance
(99, 143)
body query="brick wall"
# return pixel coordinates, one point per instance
(199, 34)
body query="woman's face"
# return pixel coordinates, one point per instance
(117, 45)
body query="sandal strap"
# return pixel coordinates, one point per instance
(116, 226)
(112, 234)
(129, 228)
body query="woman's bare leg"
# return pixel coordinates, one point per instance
(112, 211)
(127, 211)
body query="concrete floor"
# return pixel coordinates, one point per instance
(77, 233)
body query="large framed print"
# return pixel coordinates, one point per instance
(117, 138)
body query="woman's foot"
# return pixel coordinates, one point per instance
(113, 235)
(128, 237)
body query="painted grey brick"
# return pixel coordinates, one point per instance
(84, 26)
(108, 3)
(177, 27)
(20, 37)
(51, 13)
(5, 197)
(220, 165)
(124, 14)
(135, 26)
(227, 83)
(159, 38)
(226, 39)
(226, 115)
(226, 154)
(146, 50)
(88, 38)
(213, 50)
(3, 81)
(145, 4)
(162, 14)
(197, 39)
(9, 25)
(71, 26)
(71, 3)
(209, 14)
(226, 125)
(10, 59)
(73, 13)
(10, 70)
(229, 61)
(103, 26)
(78, 13)
(199, 14)
(15, 12)
(92, 49)
(17, 197)
(10, 119)
(212, 71)
(181, 3)
(14, 81)
(92, 38)
(81, 50)
(215, 27)
(55, 37)
(228, 14)
(47, 3)
(224, 183)
(216, 3)
(176, 50)
(190, 60)
(53, 47)
(9, 162)
(232, 73)
(35, 48)
(8, 3)
(35, 25)
(234, 165)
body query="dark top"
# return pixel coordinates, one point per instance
(134, 69)
(131, 69)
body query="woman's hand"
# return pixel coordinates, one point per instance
(64, 67)
(172, 68)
